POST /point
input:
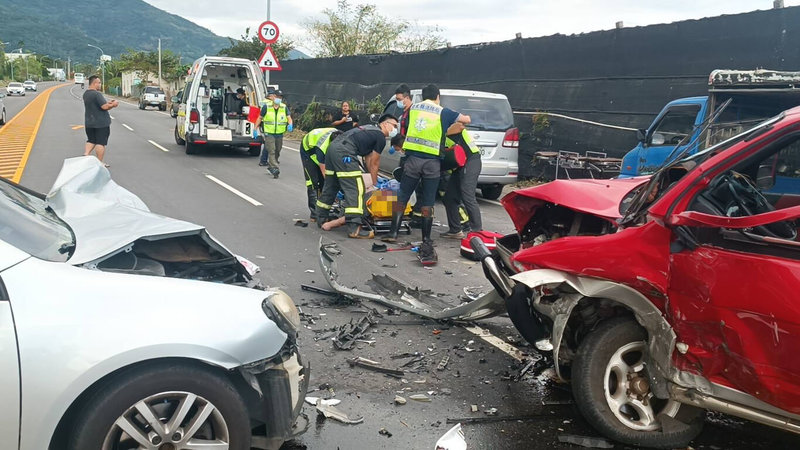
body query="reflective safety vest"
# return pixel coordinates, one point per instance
(425, 134)
(275, 121)
(467, 140)
(320, 138)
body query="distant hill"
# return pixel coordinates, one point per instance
(62, 28)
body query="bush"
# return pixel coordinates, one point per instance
(313, 115)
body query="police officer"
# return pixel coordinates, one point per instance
(343, 172)
(275, 120)
(462, 185)
(428, 123)
(314, 146)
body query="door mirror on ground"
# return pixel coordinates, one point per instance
(657, 139)
(641, 135)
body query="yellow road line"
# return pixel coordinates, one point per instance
(18, 135)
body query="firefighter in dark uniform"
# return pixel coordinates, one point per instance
(343, 171)
(314, 146)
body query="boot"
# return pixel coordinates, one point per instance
(427, 254)
(355, 231)
(397, 219)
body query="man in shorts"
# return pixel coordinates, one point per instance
(97, 120)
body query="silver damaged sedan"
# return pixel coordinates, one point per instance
(122, 329)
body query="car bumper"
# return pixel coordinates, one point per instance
(154, 103)
(504, 172)
(16, 92)
(236, 141)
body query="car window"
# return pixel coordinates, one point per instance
(153, 90)
(490, 114)
(28, 224)
(14, 84)
(677, 123)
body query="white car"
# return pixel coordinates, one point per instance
(122, 329)
(15, 88)
(29, 85)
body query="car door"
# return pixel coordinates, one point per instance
(9, 357)
(182, 111)
(674, 123)
(733, 297)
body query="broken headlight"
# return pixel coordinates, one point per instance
(281, 309)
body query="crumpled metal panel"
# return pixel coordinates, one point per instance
(104, 216)
(489, 305)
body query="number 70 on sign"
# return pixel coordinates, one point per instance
(268, 32)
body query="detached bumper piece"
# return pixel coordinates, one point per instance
(489, 305)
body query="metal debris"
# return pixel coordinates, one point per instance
(420, 397)
(347, 334)
(452, 440)
(330, 412)
(375, 366)
(316, 290)
(585, 441)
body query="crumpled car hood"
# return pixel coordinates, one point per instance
(598, 197)
(104, 216)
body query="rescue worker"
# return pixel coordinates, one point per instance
(343, 172)
(462, 185)
(428, 123)
(402, 95)
(314, 146)
(275, 120)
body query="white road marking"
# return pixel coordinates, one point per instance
(504, 346)
(126, 126)
(158, 146)
(112, 117)
(291, 148)
(489, 201)
(234, 190)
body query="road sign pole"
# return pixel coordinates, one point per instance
(266, 72)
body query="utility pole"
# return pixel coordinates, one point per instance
(159, 63)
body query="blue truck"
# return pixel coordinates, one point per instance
(755, 95)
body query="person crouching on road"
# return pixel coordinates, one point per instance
(462, 185)
(275, 120)
(314, 147)
(428, 123)
(343, 172)
(97, 120)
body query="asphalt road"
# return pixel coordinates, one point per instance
(145, 159)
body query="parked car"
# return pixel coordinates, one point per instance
(29, 85)
(15, 88)
(79, 78)
(153, 96)
(2, 109)
(134, 330)
(209, 112)
(492, 129)
(665, 296)
(175, 104)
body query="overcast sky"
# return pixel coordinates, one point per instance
(463, 21)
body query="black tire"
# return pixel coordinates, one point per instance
(191, 149)
(588, 386)
(491, 191)
(162, 108)
(3, 117)
(141, 105)
(110, 402)
(254, 151)
(178, 139)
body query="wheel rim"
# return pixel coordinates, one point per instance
(169, 421)
(627, 390)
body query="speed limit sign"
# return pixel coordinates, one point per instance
(268, 32)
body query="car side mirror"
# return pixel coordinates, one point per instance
(657, 139)
(641, 135)
(175, 99)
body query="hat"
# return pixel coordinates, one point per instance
(278, 93)
(240, 91)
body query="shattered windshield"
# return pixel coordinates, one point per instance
(28, 224)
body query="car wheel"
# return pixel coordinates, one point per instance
(178, 139)
(254, 151)
(163, 406)
(611, 388)
(141, 105)
(3, 117)
(191, 149)
(491, 191)
(162, 108)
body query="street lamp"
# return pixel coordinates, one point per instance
(102, 65)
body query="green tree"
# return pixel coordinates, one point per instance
(251, 47)
(361, 29)
(147, 63)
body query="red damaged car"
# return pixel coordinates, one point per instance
(661, 298)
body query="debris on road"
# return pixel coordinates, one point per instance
(375, 366)
(452, 440)
(347, 334)
(330, 412)
(491, 412)
(473, 408)
(309, 270)
(316, 290)
(585, 441)
(398, 400)
(420, 397)
(325, 401)
(300, 223)
(443, 363)
(384, 432)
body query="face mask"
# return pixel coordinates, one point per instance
(278, 101)
(400, 104)
(393, 133)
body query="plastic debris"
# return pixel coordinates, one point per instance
(330, 412)
(347, 334)
(384, 432)
(585, 441)
(452, 440)
(375, 366)
(300, 223)
(473, 408)
(420, 397)
(443, 363)
(491, 412)
(325, 401)
(399, 400)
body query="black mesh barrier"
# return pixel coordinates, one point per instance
(621, 77)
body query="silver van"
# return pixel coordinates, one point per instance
(210, 114)
(492, 129)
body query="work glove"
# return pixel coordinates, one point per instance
(255, 133)
(290, 127)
